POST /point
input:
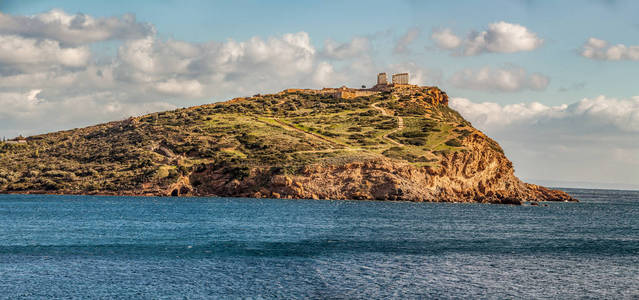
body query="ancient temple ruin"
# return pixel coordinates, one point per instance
(401, 78)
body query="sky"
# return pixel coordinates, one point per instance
(554, 82)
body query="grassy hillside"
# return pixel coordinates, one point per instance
(283, 132)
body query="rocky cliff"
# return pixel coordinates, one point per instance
(400, 144)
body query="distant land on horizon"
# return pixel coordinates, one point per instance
(583, 184)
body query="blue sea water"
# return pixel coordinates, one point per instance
(189, 248)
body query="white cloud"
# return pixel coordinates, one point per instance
(504, 37)
(28, 53)
(292, 51)
(408, 38)
(23, 113)
(74, 29)
(192, 88)
(601, 50)
(216, 69)
(358, 46)
(507, 79)
(48, 79)
(500, 37)
(276, 56)
(591, 140)
(324, 74)
(601, 112)
(19, 104)
(152, 56)
(446, 39)
(488, 115)
(623, 114)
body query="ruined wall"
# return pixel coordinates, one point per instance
(349, 94)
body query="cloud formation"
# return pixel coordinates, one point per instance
(601, 50)
(24, 113)
(28, 53)
(197, 69)
(507, 79)
(600, 112)
(74, 29)
(19, 104)
(445, 39)
(499, 37)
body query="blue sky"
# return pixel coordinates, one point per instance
(553, 81)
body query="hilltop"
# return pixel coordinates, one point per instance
(397, 142)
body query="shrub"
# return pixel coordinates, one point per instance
(414, 134)
(441, 152)
(329, 133)
(454, 143)
(33, 173)
(495, 146)
(416, 141)
(463, 133)
(240, 172)
(173, 173)
(250, 141)
(184, 170)
(60, 174)
(162, 172)
(369, 113)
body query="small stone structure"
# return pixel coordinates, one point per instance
(18, 140)
(381, 78)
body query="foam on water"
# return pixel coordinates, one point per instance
(131, 247)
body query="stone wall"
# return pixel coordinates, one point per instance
(349, 94)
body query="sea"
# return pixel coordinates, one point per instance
(105, 247)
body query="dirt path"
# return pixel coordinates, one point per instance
(340, 147)
(400, 124)
(330, 150)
